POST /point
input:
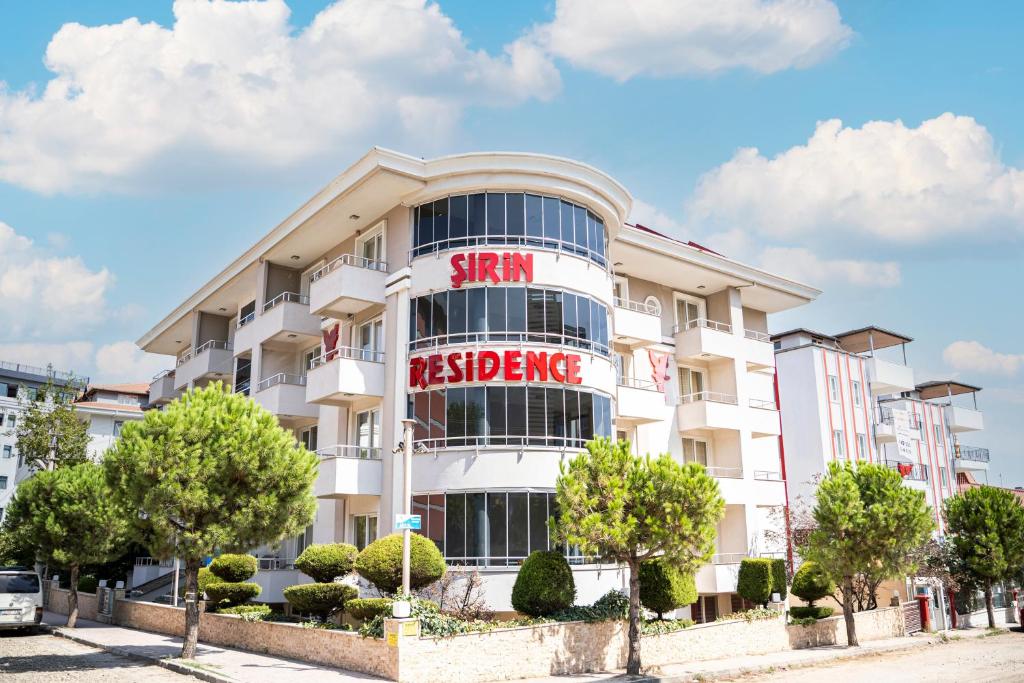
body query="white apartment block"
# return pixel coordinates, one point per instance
(502, 301)
(852, 397)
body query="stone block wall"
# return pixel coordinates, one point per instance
(876, 624)
(57, 602)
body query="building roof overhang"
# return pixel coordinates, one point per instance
(944, 388)
(870, 337)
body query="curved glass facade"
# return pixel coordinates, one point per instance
(509, 415)
(509, 219)
(540, 315)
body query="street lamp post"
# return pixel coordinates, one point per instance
(406, 502)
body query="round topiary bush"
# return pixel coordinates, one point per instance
(319, 599)
(810, 611)
(779, 577)
(87, 583)
(544, 584)
(381, 563)
(233, 568)
(368, 608)
(230, 594)
(755, 580)
(664, 588)
(811, 583)
(206, 577)
(327, 561)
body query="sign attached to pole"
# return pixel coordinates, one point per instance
(901, 425)
(403, 522)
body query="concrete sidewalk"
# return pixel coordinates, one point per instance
(212, 663)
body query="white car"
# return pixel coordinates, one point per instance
(21, 598)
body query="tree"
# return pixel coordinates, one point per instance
(544, 584)
(71, 519)
(49, 434)
(664, 588)
(986, 525)
(866, 522)
(755, 580)
(211, 471)
(811, 583)
(628, 509)
(327, 561)
(380, 563)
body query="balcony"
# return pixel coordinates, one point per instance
(721, 574)
(888, 378)
(284, 395)
(161, 389)
(971, 458)
(284, 324)
(885, 430)
(341, 375)
(758, 350)
(212, 359)
(910, 471)
(706, 340)
(639, 401)
(708, 410)
(962, 419)
(763, 418)
(635, 323)
(349, 470)
(348, 284)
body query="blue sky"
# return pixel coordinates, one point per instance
(141, 141)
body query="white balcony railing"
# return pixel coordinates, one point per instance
(281, 378)
(636, 383)
(283, 297)
(757, 336)
(350, 260)
(350, 451)
(705, 323)
(725, 472)
(349, 352)
(272, 564)
(637, 306)
(246, 319)
(728, 558)
(763, 404)
(712, 396)
(767, 475)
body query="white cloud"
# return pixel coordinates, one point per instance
(805, 266)
(44, 294)
(123, 361)
(628, 38)
(974, 356)
(652, 217)
(120, 361)
(231, 85)
(76, 356)
(883, 181)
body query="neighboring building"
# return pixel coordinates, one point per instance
(20, 384)
(106, 408)
(502, 302)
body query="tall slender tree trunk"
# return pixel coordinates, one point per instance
(633, 661)
(851, 627)
(188, 648)
(73, 597)
(989, 604)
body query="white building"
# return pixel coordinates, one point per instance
(852, 397)
(106, 408)
(502, 301)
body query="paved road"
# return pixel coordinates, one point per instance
(978, 660)
(46, 658)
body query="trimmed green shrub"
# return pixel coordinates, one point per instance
(544, 584)
(87, 583)
(811, 583)
(779, 577)
(810, 612)
(664, 588)
(324, 562)
(228, 594)
(254, 612)
(206, 577)
(755, 580)
(231, 568)
(319, 599)
(368, 608)
(380, 563)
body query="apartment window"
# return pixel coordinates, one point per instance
(620, 290)
(368, 433)
(118, 425)
(308, 356)
(11, 420)
(371, 246)
(938, 434)
(364, 530)
(862, 445)
(695, 450)
(127, 400)
(839, 443)
(3, 482)
(942, 473)
(308, 438)
(858, 399)
(371, 339)
(303, 540)
(833, 388)
(1, 419)
(8, 452)
(691, 384)
(688, 311)
(705, 610)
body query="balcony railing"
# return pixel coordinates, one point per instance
(703, 322)
(349, 451)
(728, 558)
(286, 297)
(725, 472)
(635, 383)
(767, 475)
(203, 348)
(36, 370)
(243, 387)
(246, 319)
(763, 404)
(152, 562)
(885, 416)
(162, 374)
(637, 306)
(974, 453)
(273, 564)
(349, 352)
(757, 336)
(350, 260)
(712, 396)
(909, 470)
(281, 378)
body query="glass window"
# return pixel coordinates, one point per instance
(516, 216)
(566, 212)
(581, 236)
(476, 525)
(518, 525)
(553, 315)
(516, 413)
(421, 413)
(516, 309)
(556, 416)
(477, 310)
(573, 427)
(535, 321)
(833, 388)
(422, 327)
(118, 425)
(583, 321)
(496, 213)
(367, 433)
(425, 224)
(840, 443)
(438, 314)
(496, 404)
(438, 416)
(536, 415)
(476, 406)
(862, 446)
(497, 524)
(364, 530)
(496, 313)
(441, 221)
(458, 220)
(456, 416)
(857, 398)
(569, 328)
(538, 521)
(8, 452)
(3, 482)
(457, 315)
(455, 525)
(586, 416)
(477, 215)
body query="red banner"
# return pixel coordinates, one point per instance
(510, 366)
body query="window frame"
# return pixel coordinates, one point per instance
(365, 517)
(839, 443)
(833, 388)
(702, 307)
(379, 230)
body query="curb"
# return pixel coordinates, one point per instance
(175, 666)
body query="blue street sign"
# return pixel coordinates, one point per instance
(403, 522)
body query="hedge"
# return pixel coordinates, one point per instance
(779, 577)
(229, 594)
(87, 583)
(206, 577)
(810, 612)
(380, 563)
(320, 599)
(324, 562)
(367, 608)
(544, 584)
(664, 588)
(755, 580)
(254, 611)
(812, 583)
(231, 568)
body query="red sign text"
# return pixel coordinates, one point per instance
(491, 266)
(512, 366)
